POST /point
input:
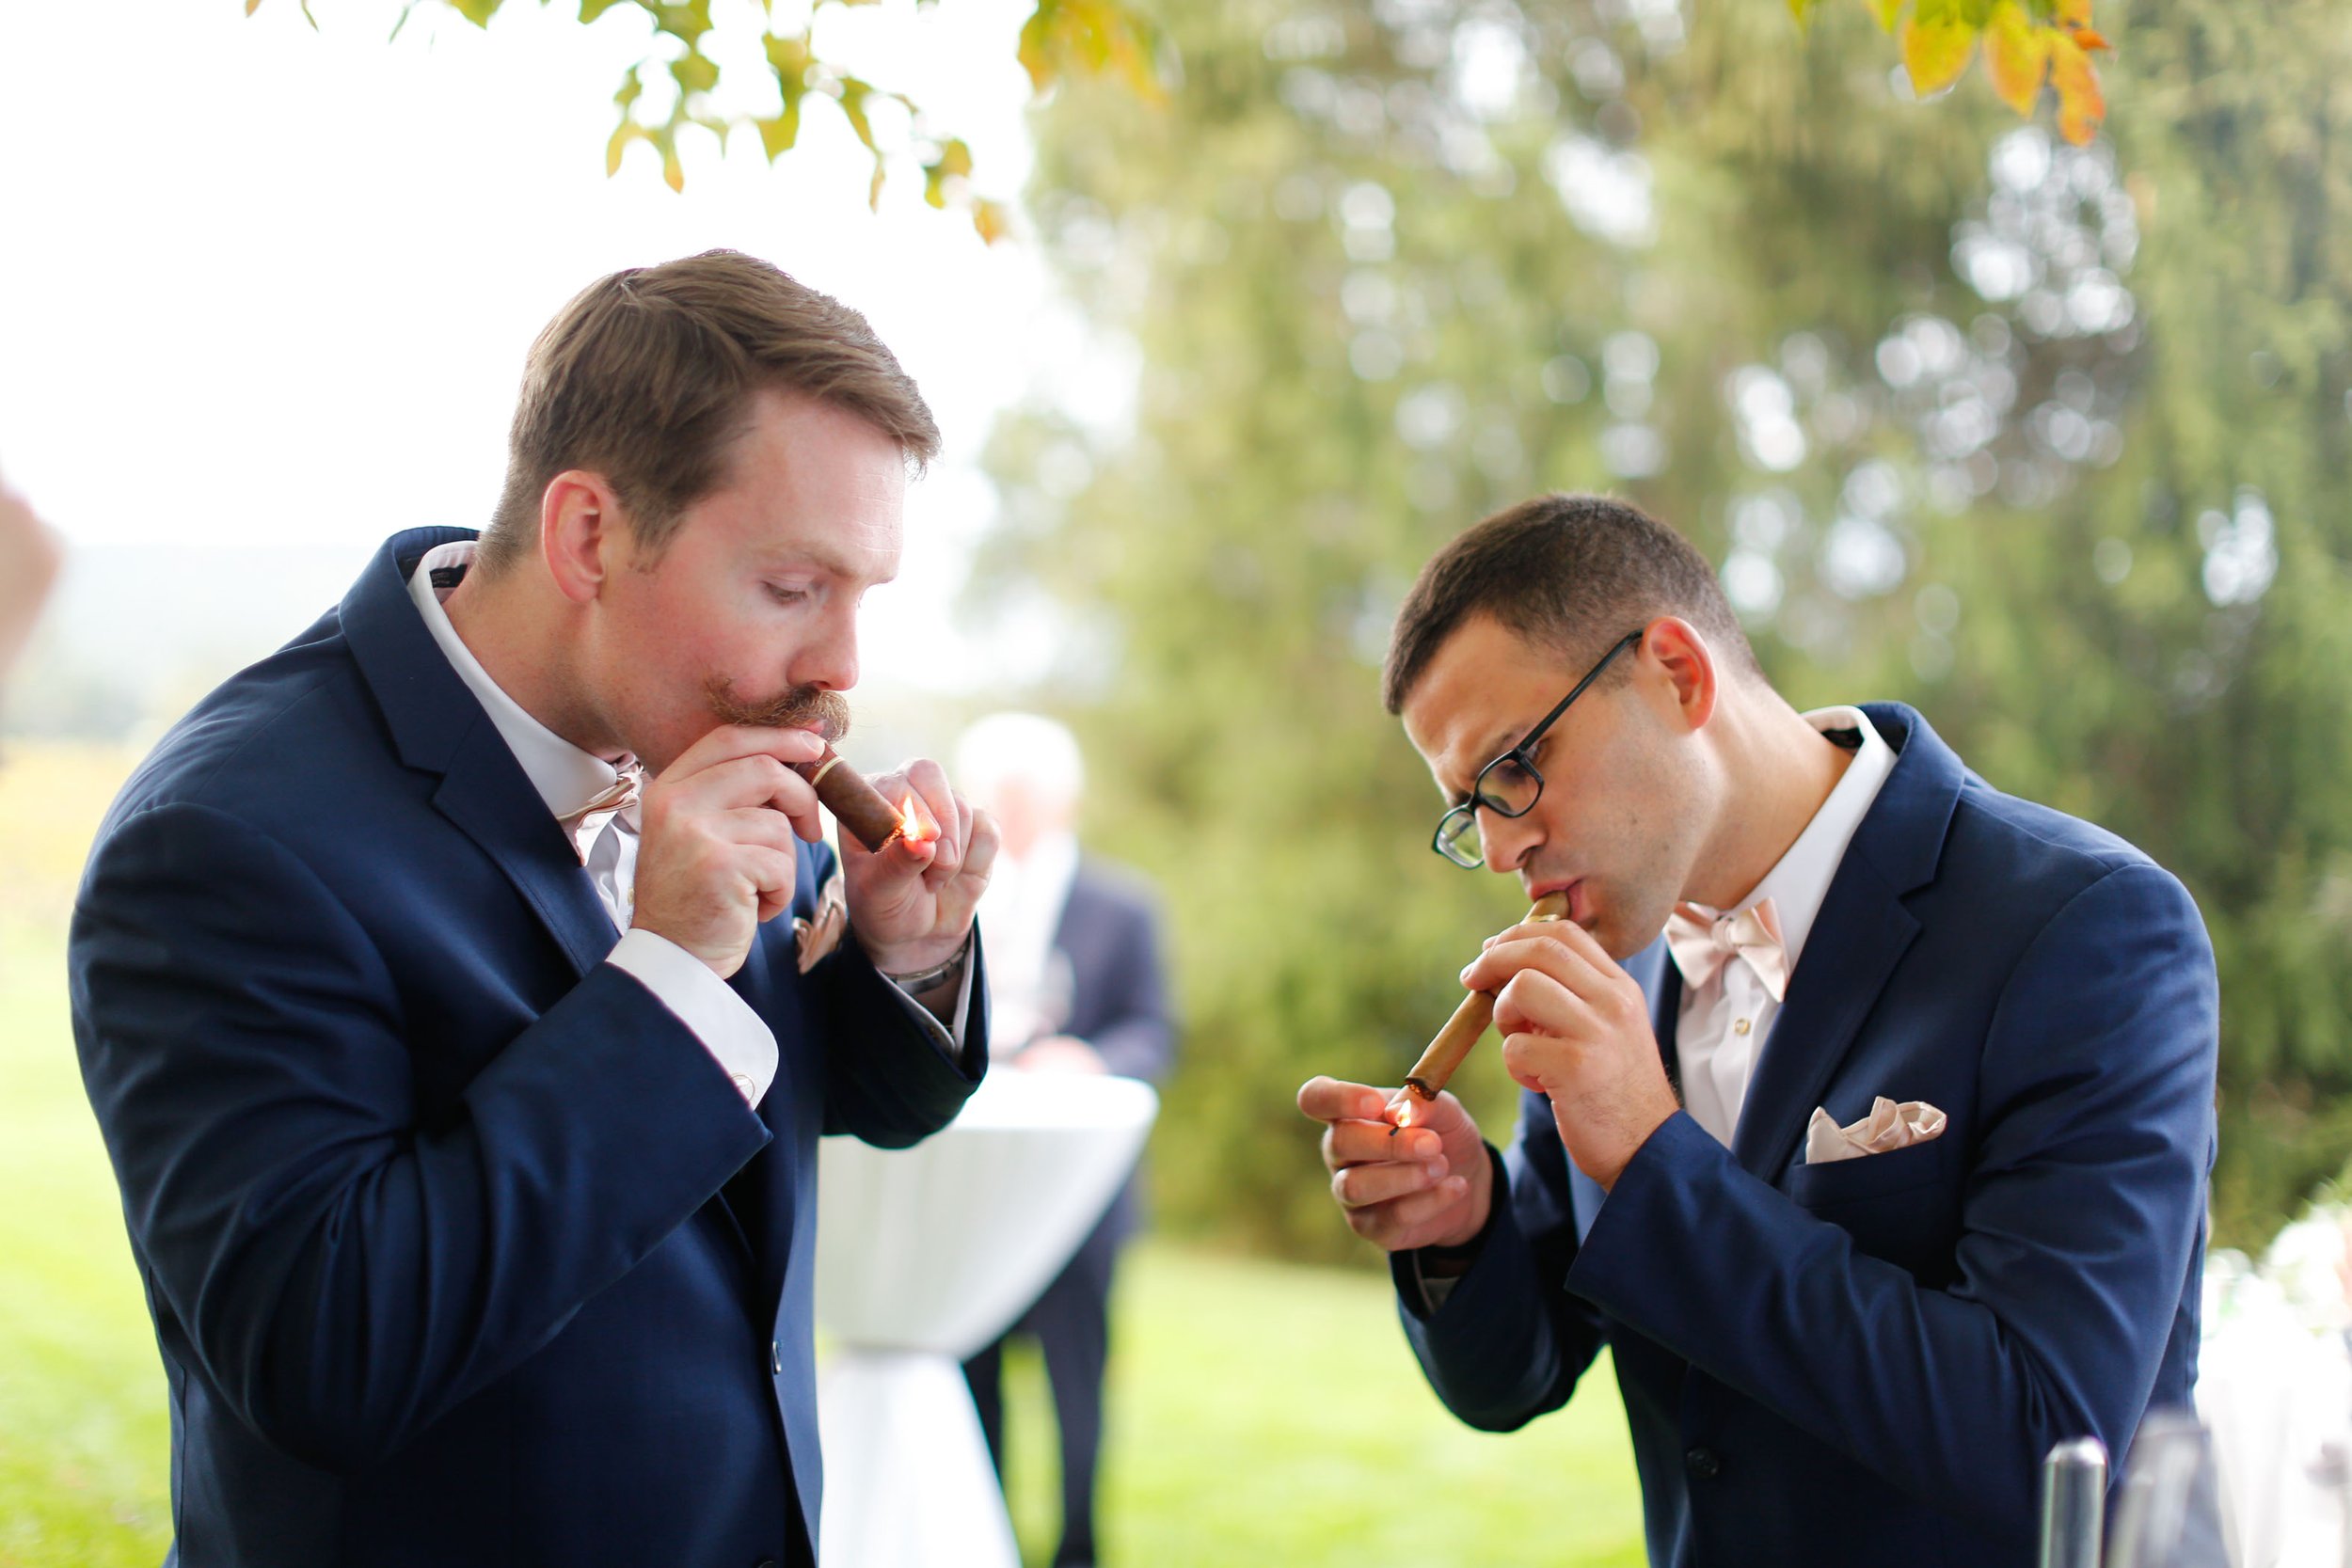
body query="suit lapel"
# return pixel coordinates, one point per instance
(487, 795)
(1859, 936)
(1857, 939)
(438, 727)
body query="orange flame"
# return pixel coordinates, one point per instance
(911, 823)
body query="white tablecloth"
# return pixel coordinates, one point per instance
(923, 1256)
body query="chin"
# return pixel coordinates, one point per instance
(1621, 940)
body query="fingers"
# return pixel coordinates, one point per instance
(1368, 1186)
(979, 851)
(754, 781)
(941, 853)
(1544, 947)
(730, 741)
(1322, 1099)
(1360, 1142)
(1414, 1219)
(762, 825)
(1533, 1002)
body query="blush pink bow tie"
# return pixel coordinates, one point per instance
(587, 824)
(1702, 942)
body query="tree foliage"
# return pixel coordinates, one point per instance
(2027, 44)
(1062, 38)
(2049, 440)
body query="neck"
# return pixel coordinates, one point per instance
(1778, 770)
(515, 627)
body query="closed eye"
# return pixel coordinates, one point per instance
(785, 595)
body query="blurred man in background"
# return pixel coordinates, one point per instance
(28, 566)
(1078, 985)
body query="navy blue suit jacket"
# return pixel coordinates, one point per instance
(1866, 1361)
(1118, 1002)
(461, 1248)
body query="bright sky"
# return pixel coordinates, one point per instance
(270, 286)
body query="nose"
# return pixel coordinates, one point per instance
(829, 659)
(1506, 841)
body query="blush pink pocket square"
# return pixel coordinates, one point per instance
(1888, 1126)
(820, 933)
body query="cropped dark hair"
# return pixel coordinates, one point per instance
(1568, 573)
(648, 375)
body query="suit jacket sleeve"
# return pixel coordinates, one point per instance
(346, 1274)
(888, 1081)
(1139, 1038)
(2080, 1216)
(1508, 1344)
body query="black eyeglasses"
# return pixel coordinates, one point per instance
(1509, 786)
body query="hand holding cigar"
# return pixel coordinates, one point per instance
(1461, 1032)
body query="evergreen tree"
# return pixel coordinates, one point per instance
(2048, 440)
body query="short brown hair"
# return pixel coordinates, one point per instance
(647, 377)
(1570, 573)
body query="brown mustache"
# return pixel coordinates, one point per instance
(802, 707)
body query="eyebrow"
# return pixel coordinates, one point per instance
(815, 554)
(1508, 739)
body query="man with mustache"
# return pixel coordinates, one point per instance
(1878, 1176)
(463, 1084)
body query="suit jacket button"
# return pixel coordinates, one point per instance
(775, 1356)
(1703, 1464)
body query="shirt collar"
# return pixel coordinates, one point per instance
(1799, 882)
(566, 777)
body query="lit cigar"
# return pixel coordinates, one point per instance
(861, 809)
(1461, 1031)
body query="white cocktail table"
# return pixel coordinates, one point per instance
(924, 1256)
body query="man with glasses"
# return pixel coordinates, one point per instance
(1868, 1110)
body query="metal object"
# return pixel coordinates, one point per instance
(2074, 1504)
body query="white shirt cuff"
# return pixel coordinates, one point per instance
(947, 1037)
(743, 1046)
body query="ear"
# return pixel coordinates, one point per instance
(583, 539)
(1674, 647)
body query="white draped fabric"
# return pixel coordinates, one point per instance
(923, 1256)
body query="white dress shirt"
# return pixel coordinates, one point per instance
(1029, 983)
(568, 779)
(1722, 1026)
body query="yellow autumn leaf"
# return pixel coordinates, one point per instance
(2081, 106)
(1936, 51)
(992, 220)
(777, 136)
(1036, 47)
(623, 134)
(2016, 55)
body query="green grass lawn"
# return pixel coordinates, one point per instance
(1262, 1413)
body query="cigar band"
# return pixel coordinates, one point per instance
(818, 777)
